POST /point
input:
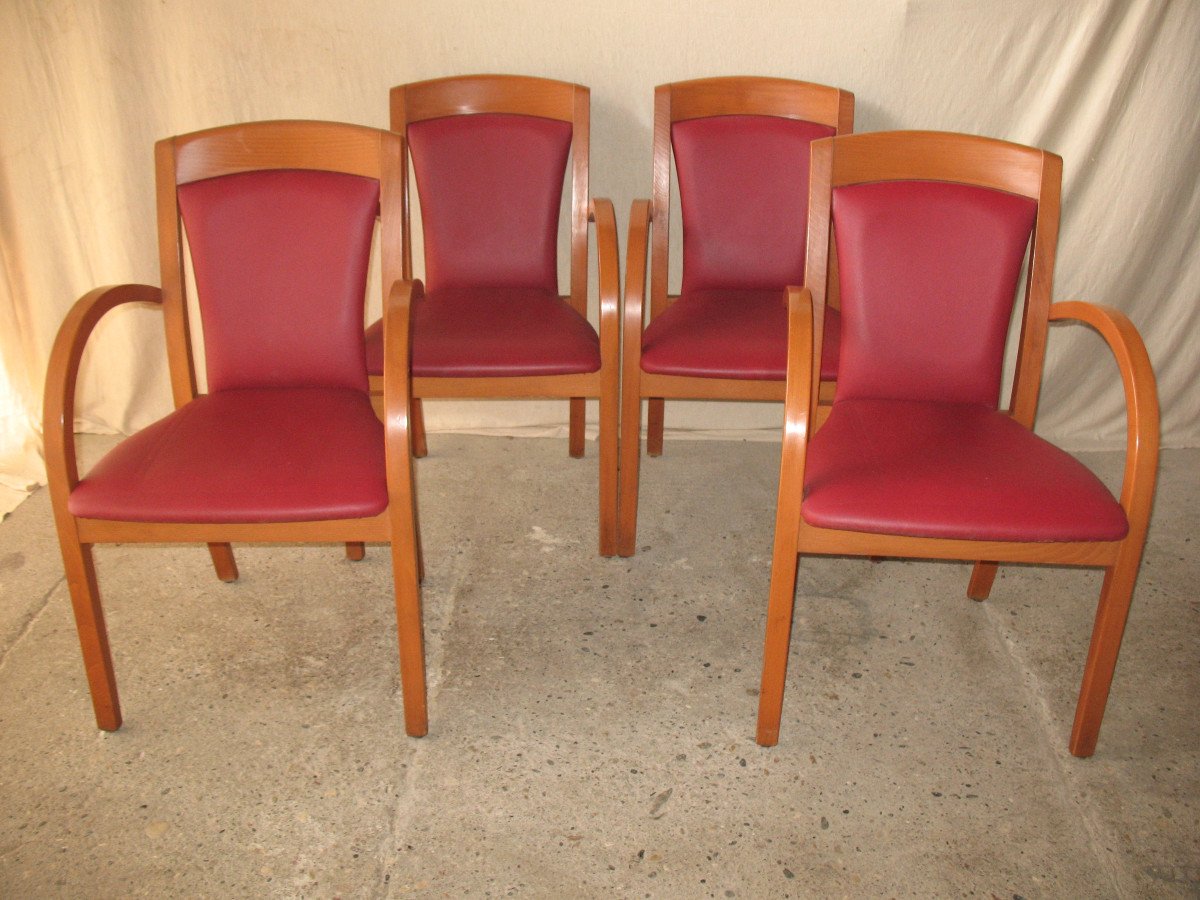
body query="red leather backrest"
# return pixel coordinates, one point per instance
(280, 259)
(928, 279)
(743, 193)
(490, 186)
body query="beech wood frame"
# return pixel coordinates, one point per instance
(324, 146)
(562, 101)
(1019, 170)
(649, 237)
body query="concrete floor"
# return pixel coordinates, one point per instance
(592, 720)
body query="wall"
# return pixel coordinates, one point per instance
(89, 85)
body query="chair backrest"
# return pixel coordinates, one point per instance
(741, 151)
(489, 154)
(931, 231)
(279, 219)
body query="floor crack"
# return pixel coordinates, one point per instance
(30, 620)
(1071, 789)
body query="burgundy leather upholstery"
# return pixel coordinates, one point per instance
(258, 455)
(490, 187)
(743, 194)
(281, 264)
(480, 332)
(950, 470)
(729, 334)
(928, 278)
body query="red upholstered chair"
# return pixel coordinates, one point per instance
(285, 445)
(914, 458)
(741, 148)
(490, 153)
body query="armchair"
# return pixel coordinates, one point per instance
(284, 445)
(741, 152)
(489, 154)
(914, 458)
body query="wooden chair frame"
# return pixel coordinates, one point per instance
(649, 236)
(519, 95)
(222, 151)
(1019, 170)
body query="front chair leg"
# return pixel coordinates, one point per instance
(93, 635)
(578, 423)
(609, 464)
(223, 562)
(982, 577)
(655, 416)
(629, 470)
(779, 636)
(1111, 613)
(406, 580)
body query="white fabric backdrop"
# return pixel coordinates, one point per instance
(87, 86)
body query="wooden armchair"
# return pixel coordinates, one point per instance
(285, 445)
(741, 152)
(489, 154)
(913, 458)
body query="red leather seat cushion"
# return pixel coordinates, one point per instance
(729, 334)
(950, 470)
(256, 455)
(482, 332)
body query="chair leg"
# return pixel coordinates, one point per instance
(411, 637)
(654, 426)
(416, 518)
(416, 414)
(610, 424)
(630, 465)
(1111, 613)
(355, 550)
(223, 562)
(93, 635)
(578, 422)
(982, 577)
(779, 635)
(406, 580)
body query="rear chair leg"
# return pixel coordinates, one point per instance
(417, 419)
(578, 423)
(655, 418)
(223, 562)
(982, 577)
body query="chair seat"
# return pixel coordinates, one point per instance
(252, 455)
(948, 470)
(729, 334)
(487, 332)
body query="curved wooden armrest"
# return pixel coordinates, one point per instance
(801, 388)
(1141, 399)
(397, 347)
(637, 255)
(58, 410)
(609, 274)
